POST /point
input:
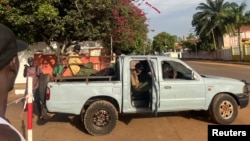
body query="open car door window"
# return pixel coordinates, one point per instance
(155, 88)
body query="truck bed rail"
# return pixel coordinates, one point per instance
(86, 78)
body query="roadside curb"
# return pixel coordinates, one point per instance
(219, 61)
(19, 89)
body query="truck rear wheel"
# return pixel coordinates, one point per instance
(224, 109)
(100, 118)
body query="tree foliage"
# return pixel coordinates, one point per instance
(210, 20)
(196, 43)
(163, 42)
(76, 20)
(129, 19)
(238, 16)
(215, 18)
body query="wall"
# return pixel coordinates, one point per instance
(246, 51)
(173, 54)
(91, 51)
(200, 55)
(223, 54)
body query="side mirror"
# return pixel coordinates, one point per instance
(192, 75)
(195, 76)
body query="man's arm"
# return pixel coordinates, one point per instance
(38, 71)
(134, 81)
(174, 74)
(25, 70)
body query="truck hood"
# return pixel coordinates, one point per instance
(210, 79)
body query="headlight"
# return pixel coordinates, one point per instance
(245, 89)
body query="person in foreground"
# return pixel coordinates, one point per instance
(9, 67)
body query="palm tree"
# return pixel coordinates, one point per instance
(210, 20)
(239, 17)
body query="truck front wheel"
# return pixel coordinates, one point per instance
(224, 109)
(100, 118)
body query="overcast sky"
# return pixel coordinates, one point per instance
(173, 16)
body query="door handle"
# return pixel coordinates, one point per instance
(167, 87)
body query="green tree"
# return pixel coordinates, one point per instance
(205, 43)
(76, 20)
(210, 20)
(20, 16)
(44, 20)
(238, 17)
(163, 42)
(190, 43)
(129, 29)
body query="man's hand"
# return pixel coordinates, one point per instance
(137, 89)
(25, 70)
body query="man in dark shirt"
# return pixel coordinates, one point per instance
(9, 67)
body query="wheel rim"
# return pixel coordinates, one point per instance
(226, 109)
(101, 118)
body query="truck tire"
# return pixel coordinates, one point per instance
(43, 81)
(100, 118)
(224, 109)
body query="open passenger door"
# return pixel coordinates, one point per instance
(155, 103)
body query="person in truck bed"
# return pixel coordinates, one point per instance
(74, 60)
(76, 66)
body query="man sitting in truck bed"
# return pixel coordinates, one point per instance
(76, 66)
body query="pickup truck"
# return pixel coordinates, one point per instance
(100, 99)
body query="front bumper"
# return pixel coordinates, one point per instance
(243, 99)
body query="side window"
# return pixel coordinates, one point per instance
(167, 71)
(175, 70)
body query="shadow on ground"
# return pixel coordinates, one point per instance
(198, 115)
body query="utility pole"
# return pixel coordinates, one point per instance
(111, 47)
(214, 45)
(195, 43)
(239, 44)
(196, 49)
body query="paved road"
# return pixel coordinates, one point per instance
(179, 126)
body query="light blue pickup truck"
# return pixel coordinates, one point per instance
(99, 99)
